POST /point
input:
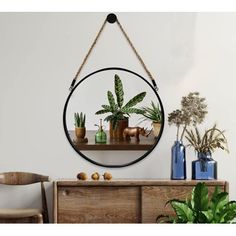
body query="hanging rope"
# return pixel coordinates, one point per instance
(111, 18)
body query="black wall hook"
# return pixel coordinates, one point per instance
(111, 18)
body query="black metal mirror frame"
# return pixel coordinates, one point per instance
(87, 158)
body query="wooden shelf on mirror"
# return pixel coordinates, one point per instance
(146, 143)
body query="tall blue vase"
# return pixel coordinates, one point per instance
(205, 167)
(178, 161)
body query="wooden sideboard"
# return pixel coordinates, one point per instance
(119, 201)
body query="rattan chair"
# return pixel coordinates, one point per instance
(16, 215)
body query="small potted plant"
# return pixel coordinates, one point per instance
(154, 114)
(119, 117)
(205, 167)
(80, 129)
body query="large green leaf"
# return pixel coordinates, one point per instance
(100, 112)
(205, 216)
(228, 214)
(109, 118)
(200, 197)
(111, 101)
(221, 200)
(217, 206)
(119, 91)
(183, 211)
(107, 107)
(135, 100)
(215, 193)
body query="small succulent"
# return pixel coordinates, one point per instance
(152, 113)
(116, 108)
(80, 119)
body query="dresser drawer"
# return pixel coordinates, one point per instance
(98, 204)
(154, 200)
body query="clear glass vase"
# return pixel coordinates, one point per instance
(205, 167)
(178, 161)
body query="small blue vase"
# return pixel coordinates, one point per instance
(205, 167)
(178, 161)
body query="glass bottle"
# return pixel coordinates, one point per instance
(205, 167)
(178, 161)
(100, 136)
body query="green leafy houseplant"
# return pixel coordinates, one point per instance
(80, 119)
(200, 208)
(116, 108)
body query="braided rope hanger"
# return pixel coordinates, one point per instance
(111, 18)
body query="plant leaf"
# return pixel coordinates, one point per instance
(135, 100)
(102, 112)
(106, 107)
(229, 212)
(111, 100)
(131, 110)
(200, 197)
(119, 91)
(206, 216)
(183, 211)
(220, 201)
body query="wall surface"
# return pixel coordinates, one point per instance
(40, 53)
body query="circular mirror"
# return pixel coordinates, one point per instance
(113, 117)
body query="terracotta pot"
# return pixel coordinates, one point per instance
(80, 132)
(156, 128)
(117, 133)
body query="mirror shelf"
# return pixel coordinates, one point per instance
(145, 143)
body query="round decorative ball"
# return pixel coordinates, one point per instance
(82, 176)
(107, 176)
(95, 176)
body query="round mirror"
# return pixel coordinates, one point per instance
(113, 117)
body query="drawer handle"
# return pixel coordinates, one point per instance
(65, 192)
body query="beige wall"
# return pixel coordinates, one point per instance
(40, 53)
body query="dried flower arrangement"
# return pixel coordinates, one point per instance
(212, 139)
(193, 111)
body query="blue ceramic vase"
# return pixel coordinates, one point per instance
(178, 161)
(205, 167)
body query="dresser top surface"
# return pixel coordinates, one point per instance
(136, 182)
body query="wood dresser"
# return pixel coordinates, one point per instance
(119, 201)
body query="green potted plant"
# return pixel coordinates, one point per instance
(80, 129)
(119, 112)
(153, 113)
(200, 208)
(205, 167)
